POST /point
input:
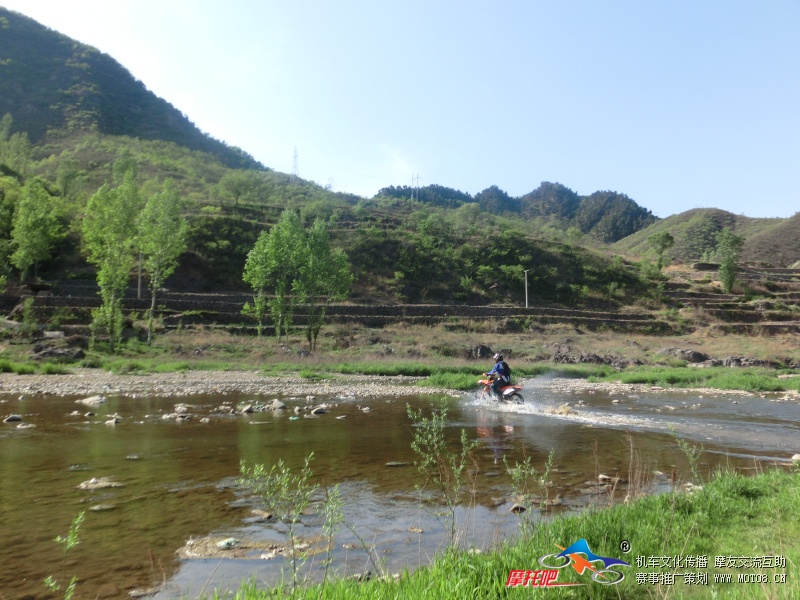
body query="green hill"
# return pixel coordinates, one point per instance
(771, 241)
(50, 82)
(74, 111)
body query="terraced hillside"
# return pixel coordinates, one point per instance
(769, 304)
(69, 305)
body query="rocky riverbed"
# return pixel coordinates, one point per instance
(93, 381)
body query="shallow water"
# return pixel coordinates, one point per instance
(179, 478)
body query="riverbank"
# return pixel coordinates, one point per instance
(736, 537)
(83, 381)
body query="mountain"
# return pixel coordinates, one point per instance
(602, 216)
(51, 82)
(82, 111)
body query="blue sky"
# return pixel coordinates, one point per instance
(677, 104)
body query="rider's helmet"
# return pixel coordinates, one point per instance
(498, 357)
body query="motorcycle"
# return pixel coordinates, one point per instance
(508, 393)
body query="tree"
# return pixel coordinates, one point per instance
(324, 277)
(109, 236)
(729, 247)
(273, 266)
(660, 243)
(240, 185)
(37, 227)
(16, 151)
(163, 235)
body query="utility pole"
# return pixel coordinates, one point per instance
(526, 288)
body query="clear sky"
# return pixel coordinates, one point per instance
(678, 104)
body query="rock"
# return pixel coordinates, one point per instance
(205, 420)
(479, 352)
(12, 418)
(278, 405)
(92, 400)
(26, 426)
(687, 354)
(743, 361)
(97, 484)
(796, 457)
(102, 507)
(247, 409)
(227, 543)
(518, 508)
(319, 410)
(557, 501)
(65, 354)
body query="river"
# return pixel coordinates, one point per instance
(178, 477)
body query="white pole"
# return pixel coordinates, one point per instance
(526, 288)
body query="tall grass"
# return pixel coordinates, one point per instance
(732, 515)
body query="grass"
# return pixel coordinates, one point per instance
(732, 515)
(29, 368)
(752, 379)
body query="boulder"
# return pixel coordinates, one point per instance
(92, 400)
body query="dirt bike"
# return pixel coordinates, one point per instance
(508, 393)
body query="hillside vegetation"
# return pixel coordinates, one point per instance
(71, 113)
(773, 242)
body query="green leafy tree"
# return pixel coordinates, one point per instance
(109, 236)
(163, 235)
(10, 192)
(37, 226)
(16, 152)
(240, 186)
(729, 247)
(324, 277)
(273, 266)
(5, 127)
(660, 243)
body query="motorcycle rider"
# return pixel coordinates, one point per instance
(501, 375)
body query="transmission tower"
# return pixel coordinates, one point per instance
(295, 167)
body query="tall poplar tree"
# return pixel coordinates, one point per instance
(325, 277)
(272, 267)
(109, 236)
(163, 233)
(37, 227)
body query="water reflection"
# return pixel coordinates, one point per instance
(179, 476)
